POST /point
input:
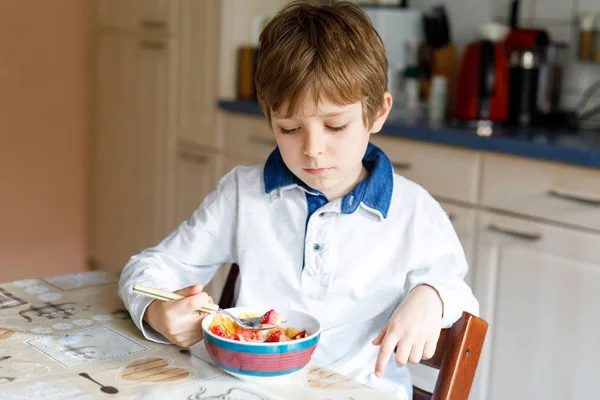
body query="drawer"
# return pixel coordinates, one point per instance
(551, 191)
(247, 136)
(443, 171)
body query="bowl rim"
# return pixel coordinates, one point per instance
(270, 344)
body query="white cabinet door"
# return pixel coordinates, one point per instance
(199, 69)
(539, 289)
(117, 14)
(132, 170)
(151, 16)
(464, 221)
(196, 178)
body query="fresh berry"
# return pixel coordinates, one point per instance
(299, 335)
(217, 330)
(243, 334)
(271, 317)
(274, 336)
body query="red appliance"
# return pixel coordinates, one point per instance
(482, 87)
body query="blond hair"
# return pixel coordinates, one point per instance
(311, 50)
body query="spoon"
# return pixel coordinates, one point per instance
(253, 323)
(105, 389)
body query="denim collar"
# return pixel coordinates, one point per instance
(374, 192)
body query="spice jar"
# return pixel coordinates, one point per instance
(596, 54)
(586, 37)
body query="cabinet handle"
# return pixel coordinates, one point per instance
(401, 165)
(576, 197)
(263, 140)
(197, 158)
(153, 24)
(530, 237)
(152, 45)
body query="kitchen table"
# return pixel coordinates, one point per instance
(70, 337)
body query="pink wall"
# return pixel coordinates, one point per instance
(42, 122)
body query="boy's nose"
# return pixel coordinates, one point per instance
(314, 144)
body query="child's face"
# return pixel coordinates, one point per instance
(324, 146)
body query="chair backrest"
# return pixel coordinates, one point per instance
(456, 355)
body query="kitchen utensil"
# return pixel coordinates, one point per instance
(482, 86)
(246, 323)
(104, 389)
(524, 76)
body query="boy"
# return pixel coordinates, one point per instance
(324, 226)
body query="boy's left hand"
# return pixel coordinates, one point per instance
(413, 329)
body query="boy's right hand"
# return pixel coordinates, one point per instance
(174, 319)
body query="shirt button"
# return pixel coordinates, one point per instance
(316, 247)
(321, 214)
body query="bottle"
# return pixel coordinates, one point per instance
(597, 39)
(586, 39)
(410, 78)
(437, 100)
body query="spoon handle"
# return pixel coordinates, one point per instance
(87, 376)
(167, 296)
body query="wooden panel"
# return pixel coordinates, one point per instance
(443, 171)
(551, 191)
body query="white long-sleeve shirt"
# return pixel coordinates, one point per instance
(348, 262)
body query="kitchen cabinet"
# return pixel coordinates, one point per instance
(199, 69)
(132, 166)
(196, 178)
(463, 219)
(538, 286)
(422, 162)
(246, 136)
(561, 193)
(152, 16)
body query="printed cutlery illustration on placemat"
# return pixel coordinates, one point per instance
(105, 389)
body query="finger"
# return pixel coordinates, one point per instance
(188, 325)
(403, 350)
(429, 349)
(188, 339)
(190, 290)
(416, 353)
(377, 341)
(191, 303)
(385, 351)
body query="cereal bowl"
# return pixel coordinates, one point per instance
(258, 360)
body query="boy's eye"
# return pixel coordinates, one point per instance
(337, 128)
(284, 131)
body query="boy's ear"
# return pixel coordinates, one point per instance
(382, 114)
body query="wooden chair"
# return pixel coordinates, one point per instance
(456, 355)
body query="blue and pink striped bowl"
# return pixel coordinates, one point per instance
(255, 361)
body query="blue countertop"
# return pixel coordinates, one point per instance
(577, 148)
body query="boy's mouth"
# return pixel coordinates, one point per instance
(317, 171)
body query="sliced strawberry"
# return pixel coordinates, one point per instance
(271, 317)
(244, 334)
(274, 336)
(299, 335)
(217, 330)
